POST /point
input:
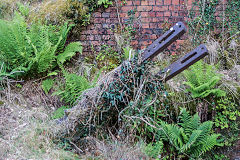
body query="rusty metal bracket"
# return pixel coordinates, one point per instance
(184, 62)
(164, 41)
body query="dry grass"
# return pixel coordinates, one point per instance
(26, 132)
(114, 150)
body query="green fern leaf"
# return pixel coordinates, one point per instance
(193, 138)
(69, 52)
(47, 85)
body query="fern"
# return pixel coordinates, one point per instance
(73, 87)
(190, 137)
(70, 51)
(47, 85)
(59, 113)
(202, 80)
(33, 49)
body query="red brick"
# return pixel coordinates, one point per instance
(146, 31)
(137, 14)
(91, 37)
(144, 2)
(96, 43)
(179, 42)
(145, 37)
(182, 7)
(175, 13)
(181, 1)
(99, 20)
(144, 8)
(146, 19)
(153, 25)
(145, 43)
(123, 15)
(112, 43)
(145, 25)
(159, 2)
(160, 8)
(90, 27)
(182, 13)
(109, 31)
(153, 36)
(126, 8)
(167, 13)
(134, 42)
(151, 2)
(175, 2)
(128, 3)
(167, 2)
(97, 37)
(97, 26)
(112, 20)
(94, 31)
(158, 19)
(165, 19)
(159, 14)
(174, 8)
(144, 14)
(106, 37)
(137, 2)
(97, 14)
(152, 14)
(105, 15)
(119, 2)
(83, 37)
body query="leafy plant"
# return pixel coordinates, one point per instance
(105, 3)
(202, 80)
(47, 85)
(108, 58)
(73, 86)
(189, 137)
(59, 113)
(153, 150)
(226, 112)
(33, 49)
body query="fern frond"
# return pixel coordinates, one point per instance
(202, 79)
(193, 138)
(173, 133)
(188, 123)
(69, 52)
(208, 143)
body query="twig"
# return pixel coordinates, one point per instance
(78, 149)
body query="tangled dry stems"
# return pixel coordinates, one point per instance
(91, 104)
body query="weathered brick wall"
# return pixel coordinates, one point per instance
(152, 14)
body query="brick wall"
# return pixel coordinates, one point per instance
(153, 15)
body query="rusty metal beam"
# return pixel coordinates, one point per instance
(164, 41)
(184, 62)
